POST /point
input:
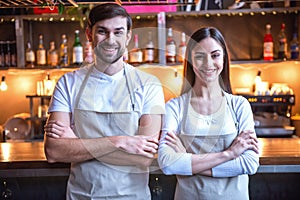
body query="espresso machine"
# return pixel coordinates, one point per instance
(272, 114)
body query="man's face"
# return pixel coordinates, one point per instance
(110, 38)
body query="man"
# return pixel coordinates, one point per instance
(105, 118)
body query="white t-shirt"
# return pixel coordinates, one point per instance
(108, 93)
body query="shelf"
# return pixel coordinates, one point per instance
(38, 96)
(180, 4)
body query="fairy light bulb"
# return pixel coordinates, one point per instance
(3, 85)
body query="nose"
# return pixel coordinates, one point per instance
(110, 37)
(208, 61)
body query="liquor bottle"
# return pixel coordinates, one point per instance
(282, 48)
(88, 52)
(182, 48)
(29, 56)
(7, 54)
(52, 55)
(136, 54)
(149, 50)
(170, 48)
(13, 55)
(77, 50)
(125, 55)
(63, 52)
(294, 47)
(268, 44)
(41, 52)
(2, 55)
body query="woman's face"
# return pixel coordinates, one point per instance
(208, 60)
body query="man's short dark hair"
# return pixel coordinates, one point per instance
(108, 11)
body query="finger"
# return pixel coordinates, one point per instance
(170, 144)
(148, 154)
(150, 150)
(151, 145)
(153, 140)
(255, 149)
(53, 135)
(172, 134)
(170, 139)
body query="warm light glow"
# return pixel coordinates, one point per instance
(246, 80)
(3, 85)
(5, 150)
(261, 145)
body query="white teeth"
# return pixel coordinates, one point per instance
(210, 70)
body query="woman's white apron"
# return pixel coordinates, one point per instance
(218, 135)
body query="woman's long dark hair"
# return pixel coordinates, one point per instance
(189, 74)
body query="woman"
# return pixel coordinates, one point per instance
(208, 138)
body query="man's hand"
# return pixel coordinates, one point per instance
(57, 129)
(139, 144)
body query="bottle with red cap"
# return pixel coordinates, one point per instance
(268, 44)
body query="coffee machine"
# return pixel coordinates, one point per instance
(272, 114)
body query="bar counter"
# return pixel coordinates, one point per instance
(24, 159)
(26, 174)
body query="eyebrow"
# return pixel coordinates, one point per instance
(201, 52)
(116, 29)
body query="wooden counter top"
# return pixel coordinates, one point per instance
(30, 155)
(280, 151)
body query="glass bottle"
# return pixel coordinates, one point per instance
(294, 47)
(257, 83)
(170, 48)
(7, 54)
(282, 48)
(13, 55)
(29, 56)
(268, 53)
(126, 55)
(52, 55)
(77, 50)
(149, 50)
(88, 52)
(136, 54)
(63, 52)
(2, 55)
(182, 48)
(41, 52)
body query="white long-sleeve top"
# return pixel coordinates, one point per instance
(238, 111)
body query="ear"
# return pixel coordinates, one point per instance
(128, 37)
(88, 34)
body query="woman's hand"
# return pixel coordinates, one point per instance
(57, 129)
(174, 142)
(246, 140)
